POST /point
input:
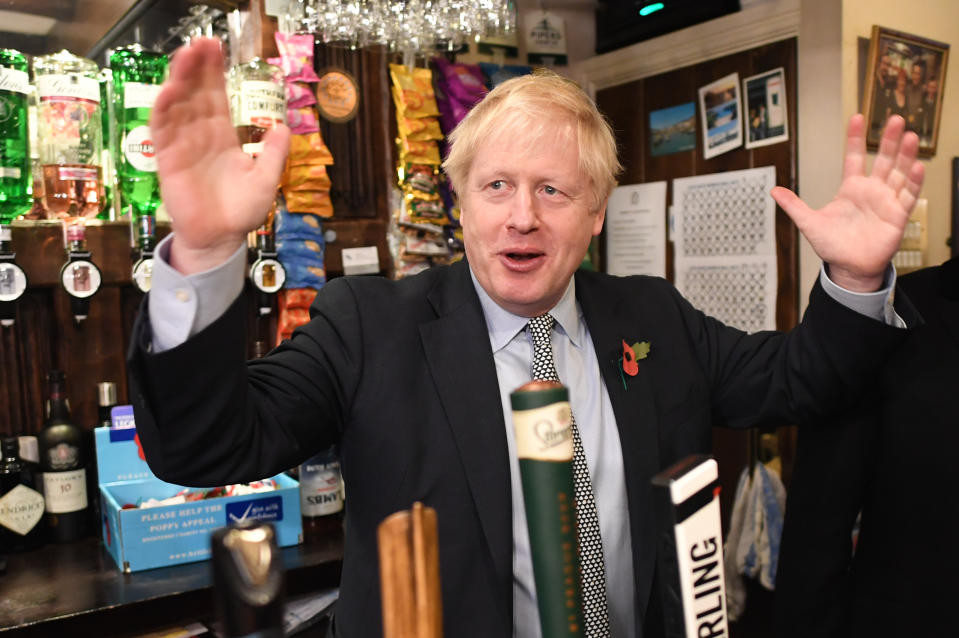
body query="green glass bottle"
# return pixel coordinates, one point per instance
(137, 76)
(15, 175)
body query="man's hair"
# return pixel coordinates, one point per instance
(525, 107)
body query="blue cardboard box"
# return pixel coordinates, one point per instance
(145, 538)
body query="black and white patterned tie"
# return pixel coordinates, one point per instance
(593, 572)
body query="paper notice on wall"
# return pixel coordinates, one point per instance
(725, 248)
(636, 230)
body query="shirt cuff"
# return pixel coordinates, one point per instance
(875, 305)
(183, 305)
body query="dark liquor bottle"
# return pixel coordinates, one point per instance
(106, 401)
(321, 496)
(21, 505)
(63, 463)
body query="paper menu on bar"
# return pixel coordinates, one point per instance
(636, 230)
(725, 246)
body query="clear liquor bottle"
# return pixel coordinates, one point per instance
(137, 78)
(63, 463)
(70, 135)
(21, 505)
(15, 176)
(321, 496)
(257, 101)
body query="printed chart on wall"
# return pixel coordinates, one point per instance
(725, 246)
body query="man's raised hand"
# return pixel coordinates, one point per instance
(213, 191)
(859, 231)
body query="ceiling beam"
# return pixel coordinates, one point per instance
(57, 9)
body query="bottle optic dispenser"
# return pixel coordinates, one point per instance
(70, 134)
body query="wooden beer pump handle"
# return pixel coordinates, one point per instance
(410, 574)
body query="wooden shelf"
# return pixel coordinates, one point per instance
(75, 589)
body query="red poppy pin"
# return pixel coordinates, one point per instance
(631, 355)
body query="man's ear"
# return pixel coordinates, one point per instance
(600, 218)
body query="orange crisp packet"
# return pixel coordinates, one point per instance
(419, 129)
(316, 202)
(295, 298)
(309, 177)
(308, 149)
(426, 152)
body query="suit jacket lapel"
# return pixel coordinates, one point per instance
(635, 410)
(469, 392)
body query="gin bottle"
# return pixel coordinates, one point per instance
(137, 76)
(21, 505)
(15, 177)
(70, 134)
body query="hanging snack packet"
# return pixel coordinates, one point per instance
(427, 211)
(298, 226)
(302, 121)
(316, 202)
(413, 91)
(296, 56)
(299, 95)
(308, 149)
(463, 82)
(419, 129)
(306, 177)
(421, 180)
(419, 152)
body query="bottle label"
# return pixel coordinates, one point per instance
(10, 171)
(78, 173)
(137, 95)
(14, 80)
(262, 104)
(138, 149)
(65, 492)
(320, 487)
(21, 509)
(77, 87)
(62, 456)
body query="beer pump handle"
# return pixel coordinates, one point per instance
(249, 580)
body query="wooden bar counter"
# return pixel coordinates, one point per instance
(75, 589)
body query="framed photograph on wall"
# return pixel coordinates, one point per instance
(906, 75)
(721, 109)
(765, 111)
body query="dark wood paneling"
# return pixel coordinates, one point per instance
(362, 171)
(628, 106)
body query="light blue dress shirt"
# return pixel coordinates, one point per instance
(578, 370)
(181, 306)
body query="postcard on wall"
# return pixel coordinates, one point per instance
(765, 96)
(636, 230)
(721, 109)
(725, 247)
(672, 130)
